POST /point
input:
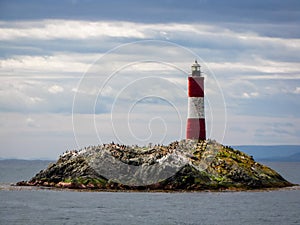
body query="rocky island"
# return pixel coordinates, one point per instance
(185, 165)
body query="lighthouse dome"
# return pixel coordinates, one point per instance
(196, 64)
(196, 69)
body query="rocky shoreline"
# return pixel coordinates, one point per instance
(180, 166)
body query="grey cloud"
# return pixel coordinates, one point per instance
(34, 96)
(154, 11)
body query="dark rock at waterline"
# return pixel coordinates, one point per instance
(185, 165)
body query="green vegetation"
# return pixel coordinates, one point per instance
(86, 181)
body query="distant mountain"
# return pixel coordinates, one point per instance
(283, 153)
(292, 158)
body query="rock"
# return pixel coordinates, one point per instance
(64, 185)
(182, 165)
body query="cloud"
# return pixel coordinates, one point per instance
(101, 30)
(55, 89)
(249, 95)
(233, 52)
(256, 130)
(65, 29)
(58, 63)
(48, 59)
(214, 11)
(31, 123)
(241, 89)
(276, 129)
(297, 90)
(35, 96)
(238, 59)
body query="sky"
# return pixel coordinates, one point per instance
(82, 72)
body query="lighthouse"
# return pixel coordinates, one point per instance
(196, 119)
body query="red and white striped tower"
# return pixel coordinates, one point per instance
(196, 119)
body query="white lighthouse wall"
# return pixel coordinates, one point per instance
(196, 107)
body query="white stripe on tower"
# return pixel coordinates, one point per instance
(196, 107)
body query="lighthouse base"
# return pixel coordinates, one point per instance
(196, 129)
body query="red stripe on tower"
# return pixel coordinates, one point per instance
(196, 119)
(195, 87)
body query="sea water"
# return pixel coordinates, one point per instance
(48, 206)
